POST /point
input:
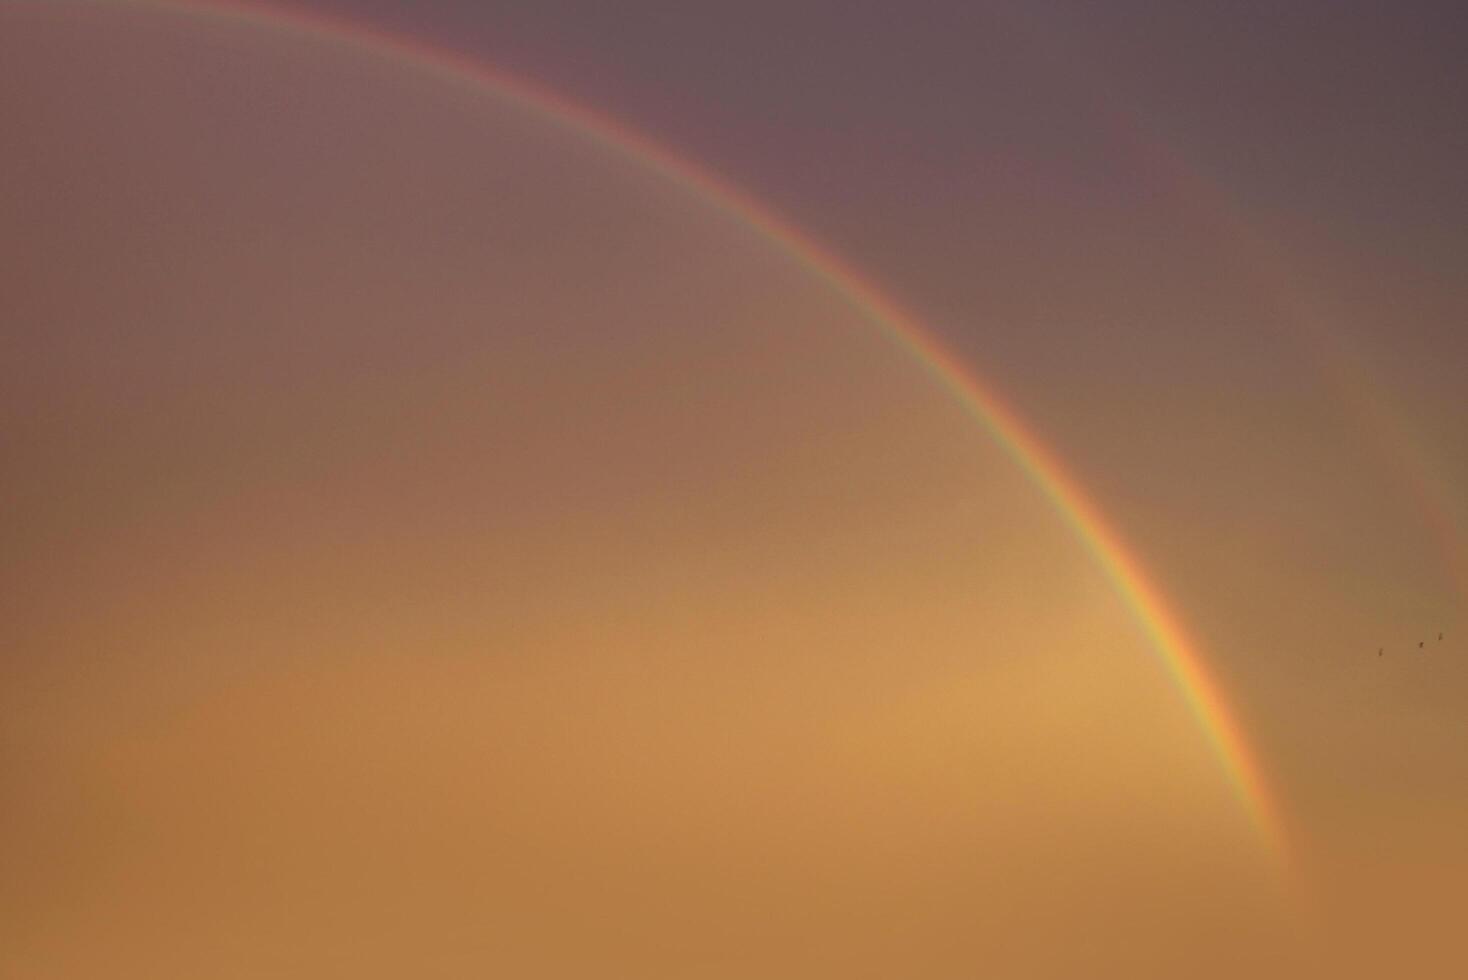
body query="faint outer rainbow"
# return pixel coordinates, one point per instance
(1181, 654)
(1313, 323)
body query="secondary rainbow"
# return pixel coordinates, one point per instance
(1311, 320)
(1180, 653)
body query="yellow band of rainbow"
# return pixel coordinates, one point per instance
(1180, 653)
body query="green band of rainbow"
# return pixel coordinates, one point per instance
(1179, 652)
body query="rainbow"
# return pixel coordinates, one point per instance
(1180, 653)
(1383, 425)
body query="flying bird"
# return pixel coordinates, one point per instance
(1419, 644)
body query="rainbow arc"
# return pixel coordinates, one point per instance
(1181, 654)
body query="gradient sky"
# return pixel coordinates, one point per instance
(438, 543)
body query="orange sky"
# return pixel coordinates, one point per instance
(436, 544)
